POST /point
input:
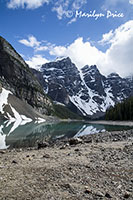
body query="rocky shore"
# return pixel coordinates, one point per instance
(94, 167)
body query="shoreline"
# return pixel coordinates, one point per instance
(103, 122)
(120, 123)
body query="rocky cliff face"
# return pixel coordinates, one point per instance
(16, 76)
(86, 91)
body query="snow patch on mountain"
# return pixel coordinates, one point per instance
(13, 116)
(108, 100)
(4, 99)
(86, 108)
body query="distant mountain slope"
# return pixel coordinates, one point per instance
(14, 109)
(87, 91)
(16, 76)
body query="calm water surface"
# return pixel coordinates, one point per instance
(12, 136)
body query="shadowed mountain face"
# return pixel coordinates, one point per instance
(16, 77)
(85, 91)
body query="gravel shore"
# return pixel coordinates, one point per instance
(92, 167)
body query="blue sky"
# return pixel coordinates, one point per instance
(41, 30)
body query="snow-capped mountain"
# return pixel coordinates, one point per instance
(85, 91)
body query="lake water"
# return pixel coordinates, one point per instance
(27, 135)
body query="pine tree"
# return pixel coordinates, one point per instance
(121, 111)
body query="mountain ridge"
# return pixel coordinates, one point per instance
(16, 76)
(86, 89)
(22, 98)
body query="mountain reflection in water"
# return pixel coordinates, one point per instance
(27, 135)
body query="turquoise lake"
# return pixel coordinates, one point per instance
(27, 135)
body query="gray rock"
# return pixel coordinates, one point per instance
(42, 145)
(75, 141)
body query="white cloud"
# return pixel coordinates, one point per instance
(34, 43)
(80, 52)
(106, 37)
(41, 48)
(63, 8)
(60, 11)
(31, 42)
(29, 4)
(36, 61)
(72, 20)
(118, 57)
(66, 8)
(77, 4)
(131, 2)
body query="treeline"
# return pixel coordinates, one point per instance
(121, 111)
(64, 113)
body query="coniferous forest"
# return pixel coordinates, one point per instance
(121, 111)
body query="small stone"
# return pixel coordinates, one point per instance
(63, 147)
(42, 145)
(79, 154)
(88, 140)
(46, 156)
(87, 191)
(102, 149)
(108, 195)
(87, 166)
(75, 141)
(2, 152)
(76, 150)
(14, 161)
(126, 195)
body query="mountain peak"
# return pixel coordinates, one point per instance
(113, 75)
(65, 59)
(93, 67)
(61, 58)
(6, 47)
